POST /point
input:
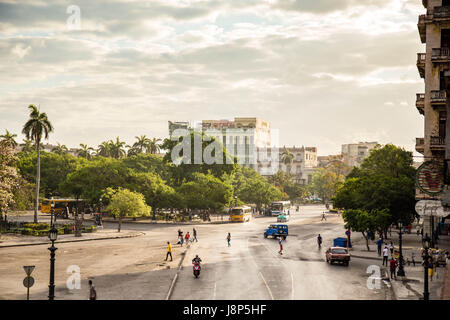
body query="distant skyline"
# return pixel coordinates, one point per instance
(323, 72)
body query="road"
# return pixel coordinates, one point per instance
(251, 268)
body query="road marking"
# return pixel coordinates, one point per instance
(267, 286)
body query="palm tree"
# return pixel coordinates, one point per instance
(287, 157)
(117, 148)
(85, 151)
(104, 149)
(141, 144)
(60, 149)
(8, 138)
(28, 145)
(37, 125)
(153, 146)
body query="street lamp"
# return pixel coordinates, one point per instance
(401, 271)
(426, 246)
(53, 235)
(235, 201)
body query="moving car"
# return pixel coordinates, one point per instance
(282, 218)
(277, 230)
(337, 254)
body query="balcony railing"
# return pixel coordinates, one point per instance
(437, 141)
(438, 96)
(440, 54)
(420, 145)
(421, 64)
(441, 12)
(420, 102)
(422, 28)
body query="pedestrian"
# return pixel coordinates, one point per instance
(323, 217)
(393, 267)
(379, 244)
(280, 241)
(181, 238)
(229, 239)
(391, 248)
(319, 241)
(186, 237)
(169, 251)
(92, 291)
(431, 268)
(194, 233)
(289, 212)
(385, 255)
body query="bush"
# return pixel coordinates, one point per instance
(37, 226)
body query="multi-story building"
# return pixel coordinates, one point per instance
(353, 154)
(433, 66)
(303, 165)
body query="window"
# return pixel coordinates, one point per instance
(445, 3)
(445, 38)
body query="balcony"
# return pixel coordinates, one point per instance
(437, 143)
(420, 102)
(421, 64)
(438, 98)
(420, 145)
(422, 28)
(440, 55)
(441, 13)
(425, 3)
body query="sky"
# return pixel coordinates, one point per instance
(323, 72)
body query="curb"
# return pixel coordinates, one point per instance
(364, 257)
(67, 241)
(180, 266)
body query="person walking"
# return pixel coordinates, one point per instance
(229, 239)
(385, 255)
(280, 241)
(379, 244)
(319, 241)
(393, 267)
(92, 291)
(194, 233)
(187, 237)
(391, 248)
(181, 238)
(431, 268)
(323, 217)
(169, 251)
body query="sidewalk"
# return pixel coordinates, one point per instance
(13, 240)
(411, 287)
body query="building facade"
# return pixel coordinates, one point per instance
(434, 67)
(353, 154)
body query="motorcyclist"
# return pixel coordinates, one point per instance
(196, 260)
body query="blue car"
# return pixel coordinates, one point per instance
(277, 230)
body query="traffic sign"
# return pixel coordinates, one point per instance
(28, 269)
(28, 282)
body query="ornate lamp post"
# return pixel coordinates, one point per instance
(53, 235)
(401, 271)
(426, 246)
(235, 201)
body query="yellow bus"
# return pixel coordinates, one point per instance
(241, 214)
(60, 206)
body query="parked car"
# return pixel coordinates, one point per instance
(282, 218)
(337, 254)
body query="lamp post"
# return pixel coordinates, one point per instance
(401, 271)
(53, 235)
(426, 246)
(235, 201)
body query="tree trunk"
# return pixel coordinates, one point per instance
(120, 223)
(367, 240)
(38, 178)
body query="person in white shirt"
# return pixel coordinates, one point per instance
(385, 255)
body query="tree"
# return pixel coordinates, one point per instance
(34, 128)
(382, 184)
(9, 178)
(126, 203)
(325, 183)
(8, 138)
(85, 151)
(27, 146)
(365, 221)
(60, 149)
(287, 157)
(117, 148)
(141, 144)
(153, 146)
(104, 149)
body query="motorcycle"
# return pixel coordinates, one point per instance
(196, 269)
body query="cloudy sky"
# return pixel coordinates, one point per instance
(324, 72)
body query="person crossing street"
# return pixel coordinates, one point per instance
(280, 241)
(385, 255)
(319, 241)
(169, 251)
(229, 239)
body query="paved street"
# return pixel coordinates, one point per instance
(134, 268)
